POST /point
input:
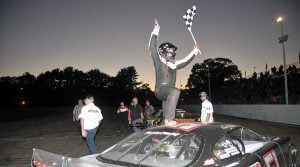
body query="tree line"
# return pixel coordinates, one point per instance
(219, 77)
(65, 87)
(228, 86)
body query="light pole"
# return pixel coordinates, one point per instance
(283, 39)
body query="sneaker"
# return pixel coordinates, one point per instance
(170, 122)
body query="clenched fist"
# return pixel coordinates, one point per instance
(156, 28)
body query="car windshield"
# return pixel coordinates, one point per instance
(155, 148)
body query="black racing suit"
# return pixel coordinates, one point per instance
(165, 89)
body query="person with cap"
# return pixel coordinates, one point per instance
(90, 118)
(207, 109)
(165, 71)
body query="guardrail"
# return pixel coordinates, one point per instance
(287, 114)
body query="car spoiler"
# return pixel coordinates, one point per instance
(41, 158)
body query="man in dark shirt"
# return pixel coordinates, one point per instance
(166, 67)
(135, 114)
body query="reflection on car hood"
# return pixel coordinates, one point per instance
(90, 159)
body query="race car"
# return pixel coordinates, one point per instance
(187, 144)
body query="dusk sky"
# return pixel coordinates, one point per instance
(40, 35)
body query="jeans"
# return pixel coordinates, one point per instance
(135, 129)
(90, 139)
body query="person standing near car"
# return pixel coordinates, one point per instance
(135, 114)
(90, 118)
(207, 109)
(149, 112)
(77, 110)
(122, 118)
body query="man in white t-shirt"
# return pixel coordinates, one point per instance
(90, 118)
(207, 109)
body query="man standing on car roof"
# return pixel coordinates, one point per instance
(207, 108)
(165, 70)
(90, 118)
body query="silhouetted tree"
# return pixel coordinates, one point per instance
(294, 84)
(63, 87)
(145, 93)
(125, 83)
(97, 79)
(10, 91)
(219, 70)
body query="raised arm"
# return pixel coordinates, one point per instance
(188, 59)
(153, 40)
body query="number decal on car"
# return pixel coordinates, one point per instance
(270, 159)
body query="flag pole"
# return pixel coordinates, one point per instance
(193, 36)
(194, 40)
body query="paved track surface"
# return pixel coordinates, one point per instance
(24, 129)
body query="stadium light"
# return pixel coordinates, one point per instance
(283, 39)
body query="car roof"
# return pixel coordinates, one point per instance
(207, 130)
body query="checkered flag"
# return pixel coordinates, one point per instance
(188, 17)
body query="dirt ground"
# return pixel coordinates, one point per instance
(52, 129)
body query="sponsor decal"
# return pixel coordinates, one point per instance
(256, 164)
(161, 133)
(234, 164)
(209, 161)
(188, 127)
(229, 150)
(232, 151)
(223, 156)
(93, 111)
(270, 159)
